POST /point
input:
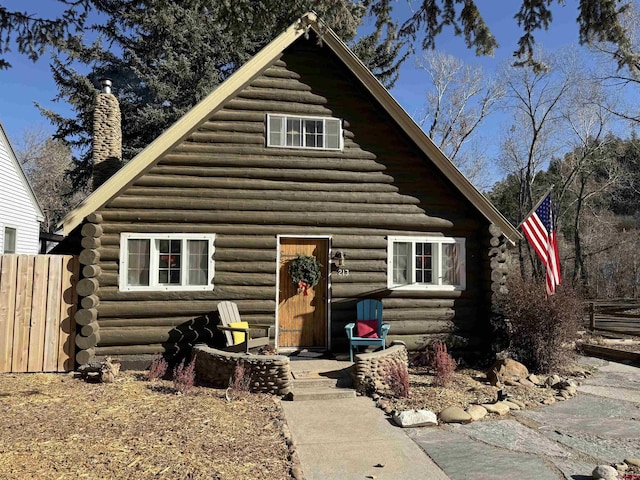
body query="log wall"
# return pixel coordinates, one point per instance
(224, 180)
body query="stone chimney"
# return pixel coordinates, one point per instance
(107, 135)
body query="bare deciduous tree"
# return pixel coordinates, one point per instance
(535, 96)
(586, 173)
(458, 99)
(46, 162)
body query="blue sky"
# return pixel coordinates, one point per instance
(27, 82)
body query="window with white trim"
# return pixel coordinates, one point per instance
(304, 132)
(426, 263)
(166, 261)
(10, 235)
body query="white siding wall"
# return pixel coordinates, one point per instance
(16, 204)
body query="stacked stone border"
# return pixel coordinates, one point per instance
(269, 373)
(372, 369)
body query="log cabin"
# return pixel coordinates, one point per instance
(300, 152)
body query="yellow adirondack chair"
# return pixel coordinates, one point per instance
(237, 333)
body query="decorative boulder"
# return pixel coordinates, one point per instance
(415, 418)
(477, 412)
(455, 415)
(605, 472)
(506, 369)
(553, 380)
(500, 408)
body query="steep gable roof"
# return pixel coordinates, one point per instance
(239, 80)
(4, 139)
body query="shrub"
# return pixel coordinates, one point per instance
(442, 364)
(397, 379)
(240, 381)
(184, 377)
(540, 327)
(158, 368)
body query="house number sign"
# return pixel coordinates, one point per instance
(343, 272)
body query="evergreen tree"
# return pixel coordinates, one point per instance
(164, 57)
(598, 21)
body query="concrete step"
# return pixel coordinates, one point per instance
(314, 383)
(321, 393)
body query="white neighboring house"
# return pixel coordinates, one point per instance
(20, 213)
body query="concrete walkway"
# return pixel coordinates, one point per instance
(346, 439)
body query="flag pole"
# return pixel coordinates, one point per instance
(537, 205)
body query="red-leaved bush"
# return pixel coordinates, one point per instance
(540, 328)
(397, 379)
(158, 368)
(241, 379)
(184, 376)
(442, 364)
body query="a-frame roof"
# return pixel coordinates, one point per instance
(4, 138)
(239, 80)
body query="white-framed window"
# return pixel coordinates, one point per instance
(426, 263)
(10, 239)
(304, 132)
(166, 261)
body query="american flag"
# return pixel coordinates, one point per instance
(540, 231)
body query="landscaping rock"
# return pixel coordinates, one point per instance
(520, 403)
(562, 384)
(415, 418)
(635, 462)
(499, 407)
(296, 473)
(548, 401)
(511, 405)
(477, 412)
(506, 369)
(535, 379)
(526, 383)
(621, 467)
(553, 380)
(571, 390)
(605, 472)
(455, 415)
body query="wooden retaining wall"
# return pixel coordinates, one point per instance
(223, 179)
(37, 306)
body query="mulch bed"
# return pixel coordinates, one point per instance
(55, 426)
(468, 386)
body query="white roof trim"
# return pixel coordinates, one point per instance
(21, 174)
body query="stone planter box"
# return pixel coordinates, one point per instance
(269, 373)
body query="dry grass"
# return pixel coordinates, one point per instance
(59, 427)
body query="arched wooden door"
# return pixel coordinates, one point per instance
(302, 320)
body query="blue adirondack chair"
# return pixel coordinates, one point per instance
(370, 313)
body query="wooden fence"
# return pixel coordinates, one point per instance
(37, 304)
(616, 316)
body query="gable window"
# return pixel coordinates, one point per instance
(10, 235)
(426, 263)
(304, 132)
(166, 262)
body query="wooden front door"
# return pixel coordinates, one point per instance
(302, 320)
